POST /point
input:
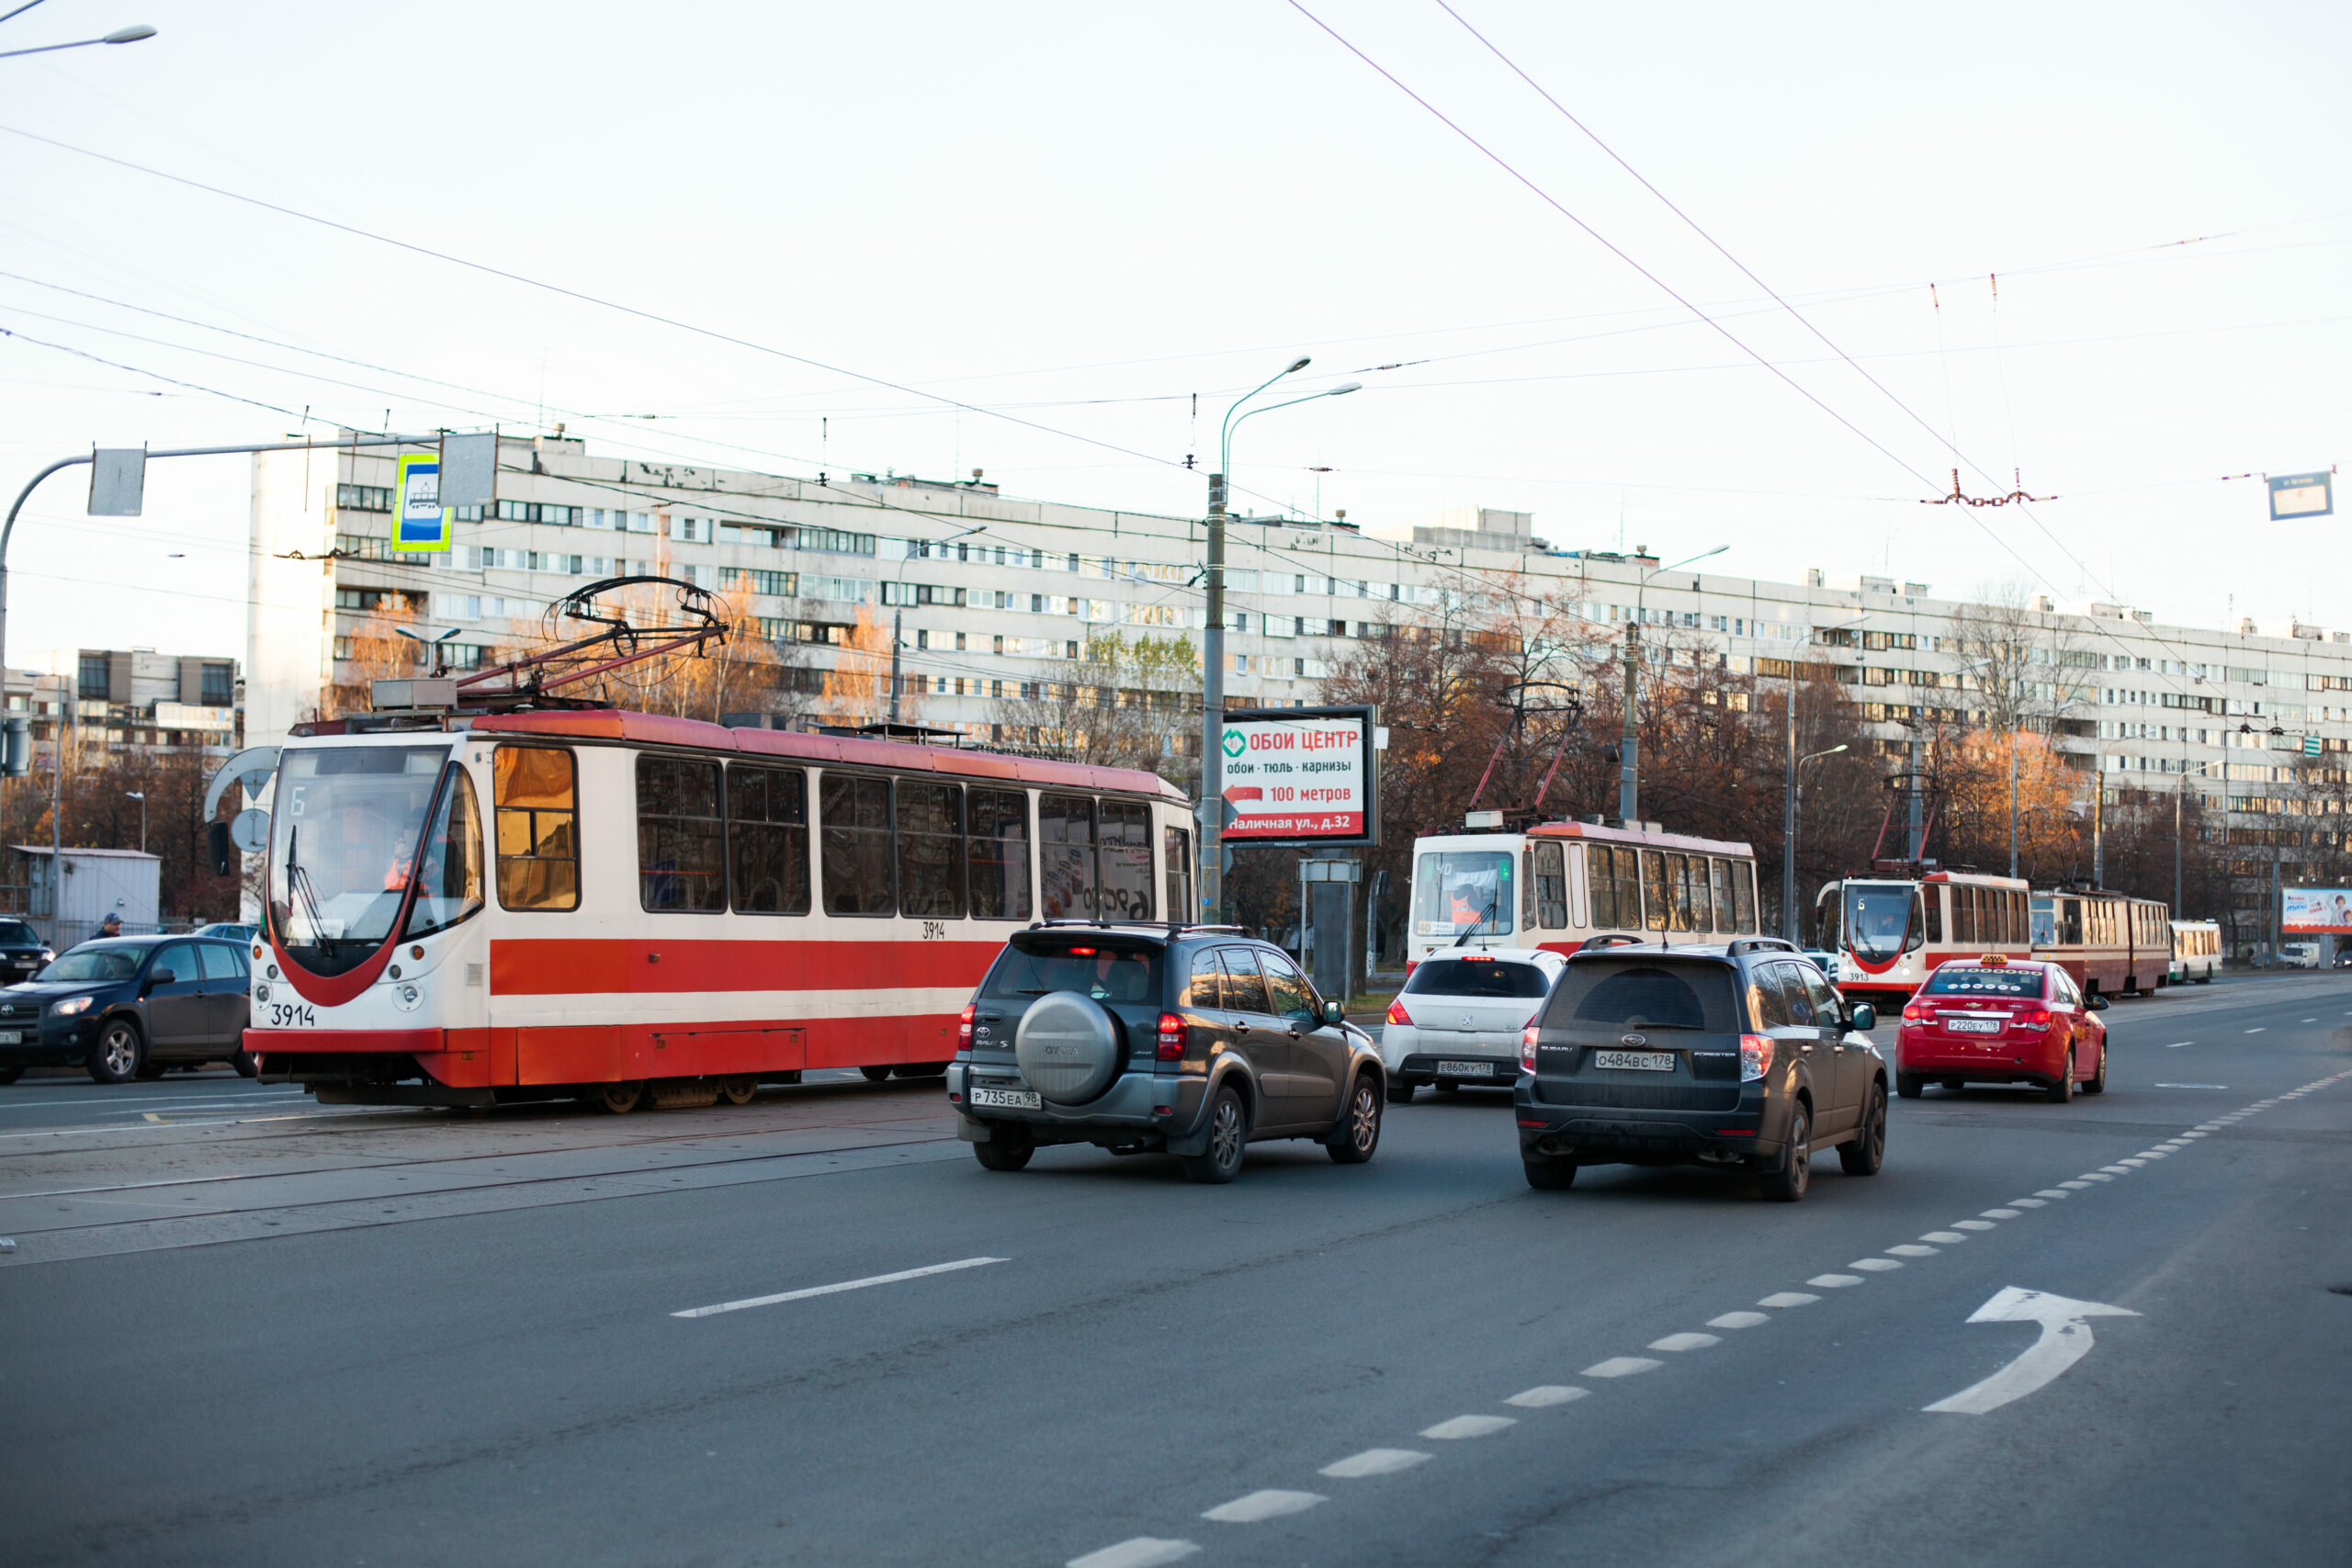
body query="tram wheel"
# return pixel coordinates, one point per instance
(738, 1091)
(616, 1098)
(875, 1075)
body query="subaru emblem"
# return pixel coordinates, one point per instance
(1633, 1040)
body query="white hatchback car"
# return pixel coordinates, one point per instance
(1459, 1019)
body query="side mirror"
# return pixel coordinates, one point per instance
(1861, 1016)
(2099, 1004)
(1334, 1013)
(162, 977)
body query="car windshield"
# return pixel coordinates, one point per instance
(97, 964)
(1954, 980)
(1477, 977)
(1878, 917)
(1455, 890)
(1108, 975)
(17, 933)
(1645, 994)
(345, 826)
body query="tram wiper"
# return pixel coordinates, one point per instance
(1471, 929)
(298, 881)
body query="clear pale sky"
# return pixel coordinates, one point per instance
(1085, 215)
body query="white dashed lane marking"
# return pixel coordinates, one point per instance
(1685, 1342)
(1738, 1320)
(1622, 1367)
(1879, 1265)
(2256, 1030)
(1545, 1395)
(2179, 1043)
(1463, 1426)
(1372, 1462)
(2009, 1213)
(1788, 1299)
(1979, 1224)
(1835, 1281)
(1268, 1505)
(1903, 1249)
(1947, 1237)
(1143, 1552)
(867, 1284)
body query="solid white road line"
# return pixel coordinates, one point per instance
(1621, 1367)
(1373, 1462)
(1686, 1342)
(1143, 1552)
(1545, 1395)
(848, 1285)
(1267, 1505)
(1468, 1426)
(1788, 1299)
(1739, 1320)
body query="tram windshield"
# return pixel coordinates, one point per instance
(343, 835)
(1456, 889)
(1882, 918)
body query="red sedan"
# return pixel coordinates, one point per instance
(2002, 1021)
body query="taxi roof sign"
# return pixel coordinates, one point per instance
(1995, 961)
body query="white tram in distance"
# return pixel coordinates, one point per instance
(1891, 932)
(620, 907)
(1558, 885)
(2196, 952)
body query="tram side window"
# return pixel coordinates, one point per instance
(1125, 838)
(681, 838)
(1066, 854)
(767, 840)
(1743, 895)
(2070, 922)
(853, 821)
(534, 793)
(931, 850)
(1551, 881)
(1678, 892)
(1719, 893)
(1654, 899)
(1964, 916)
(997, 854)
(1179, 846)
(1615, 888)
(449, 886)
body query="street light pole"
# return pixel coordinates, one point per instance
(1789, 831)
(1212, 887)
(131, 34)
(141, 797)
(1629, 772)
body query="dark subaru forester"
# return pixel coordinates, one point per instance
(1736, 1055)
(1193, 1041)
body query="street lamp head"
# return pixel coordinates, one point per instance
(1303, 361)
(134, 794)
(1342, 390)
(129, 35)
(1833, 751)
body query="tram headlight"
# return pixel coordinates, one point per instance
(261, 991)
(407, 997)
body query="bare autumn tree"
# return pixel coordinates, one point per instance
(855, 690)
(1124, 702)
(375, 650)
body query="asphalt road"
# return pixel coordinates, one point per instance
(255, 1331)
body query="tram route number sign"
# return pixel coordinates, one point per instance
(1301, 775)
(2301, 495)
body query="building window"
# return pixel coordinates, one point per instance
(931, 850)
(217, 687)
(92, 686)
(853, 815)
(536, 803)
(767, 840)
(681, 854)
(363, 498)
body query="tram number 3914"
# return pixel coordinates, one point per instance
(934, 931)
(292, 1015)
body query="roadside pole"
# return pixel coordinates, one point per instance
(1213, 716)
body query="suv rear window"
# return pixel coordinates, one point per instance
(1106, 974)
(1476, 977)
(1951, 980)
(1646, 994)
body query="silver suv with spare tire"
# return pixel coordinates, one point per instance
(1193, 1041)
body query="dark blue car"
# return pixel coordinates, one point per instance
(128, 1008)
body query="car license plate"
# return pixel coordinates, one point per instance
(12, 1037)
(1010, 1098)
(1973, 1025)
(1466, 1070)
(1644, 1061)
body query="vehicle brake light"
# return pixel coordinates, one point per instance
(1171, 1037)
(1914, 1012)
(1755, 1056)
(1527, 1047)
(1396, 1013)
(1478, 958)
(2038, 1019)
(1081, 952)
(964, 1027)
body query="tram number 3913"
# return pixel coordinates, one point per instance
(292, 1015)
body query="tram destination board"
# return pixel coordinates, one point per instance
(1302, 775)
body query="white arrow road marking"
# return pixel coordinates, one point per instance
(2065, 1339)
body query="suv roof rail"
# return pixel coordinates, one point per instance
(1171, 926)
(1762, 944)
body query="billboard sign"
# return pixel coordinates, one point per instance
(419, 523)
(2301, 495)
(1301, 775)
(2314, 910)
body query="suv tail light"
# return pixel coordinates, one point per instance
(1396, 1013)
(1171, 1037)
(1527, 1047)
(1755, 1056)
(964, 1028)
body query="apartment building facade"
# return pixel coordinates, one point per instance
(117, 699)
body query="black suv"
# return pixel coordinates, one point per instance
(1736, 1056)
(129, 1007)
(22, 952)
(1188, 1039)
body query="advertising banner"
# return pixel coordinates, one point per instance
(419, 521)
(2313, 910)
(1301, 775)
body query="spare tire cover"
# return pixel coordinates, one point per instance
(1068, 1047)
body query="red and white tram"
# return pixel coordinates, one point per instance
(615, 906)
(1890, 933)
(1560, 883)
(2111, 943)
